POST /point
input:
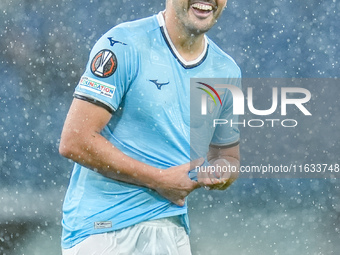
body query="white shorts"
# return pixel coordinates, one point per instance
(156, 237)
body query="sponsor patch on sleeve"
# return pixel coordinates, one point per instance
(97, 87)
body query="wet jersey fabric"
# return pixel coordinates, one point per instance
(135, 72)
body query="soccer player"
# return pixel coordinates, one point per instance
(128, 131)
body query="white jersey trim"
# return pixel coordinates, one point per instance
(161, 23)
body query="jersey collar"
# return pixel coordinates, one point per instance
(181, 60)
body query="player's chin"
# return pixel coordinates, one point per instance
(202, 24)
(202, 27)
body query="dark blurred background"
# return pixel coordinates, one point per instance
(44, 49)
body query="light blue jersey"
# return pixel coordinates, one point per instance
(135, 72)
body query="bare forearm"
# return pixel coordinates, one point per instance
(233, 162)
(231, 155)
(98, 154)
(226, 164)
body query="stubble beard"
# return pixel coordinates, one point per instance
(192, 27)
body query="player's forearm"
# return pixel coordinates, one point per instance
(227, 158)
(231, 161)
(97, 153)
(228, 164)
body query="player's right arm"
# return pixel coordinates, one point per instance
(82, 142)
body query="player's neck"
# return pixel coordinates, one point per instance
(189, 46)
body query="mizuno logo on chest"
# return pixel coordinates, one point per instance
(159, 84)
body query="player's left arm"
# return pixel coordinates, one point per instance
(226, 162)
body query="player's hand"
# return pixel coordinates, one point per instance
(174, 183)
(217, 177)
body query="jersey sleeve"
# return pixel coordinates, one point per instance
(227, 134)
(111, 68)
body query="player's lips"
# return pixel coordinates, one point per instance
(202, 9)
